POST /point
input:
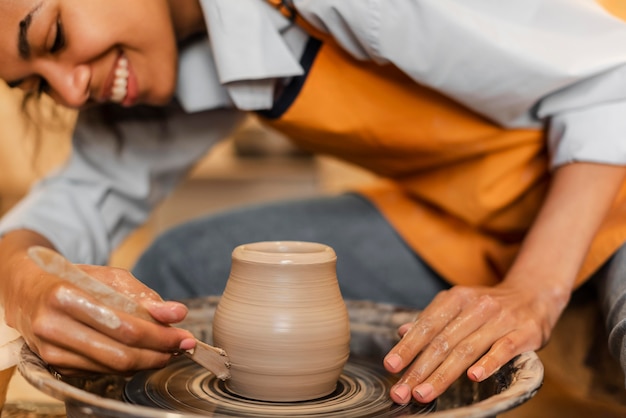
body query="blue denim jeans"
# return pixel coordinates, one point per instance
(611, 284)
(373, 262)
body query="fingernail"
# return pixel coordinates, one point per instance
(187, 344)
(424, 390)
(168, 311)
(478, 373)
(394, 361)
(403, 392)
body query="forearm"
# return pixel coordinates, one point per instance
(13, 247)
(577, 202)
(518, 315)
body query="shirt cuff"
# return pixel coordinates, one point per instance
(594, 134)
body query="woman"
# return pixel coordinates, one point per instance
(499, 130)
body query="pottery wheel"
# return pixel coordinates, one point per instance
(183, 386)
(184, 390)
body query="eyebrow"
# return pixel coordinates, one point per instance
(23, 47)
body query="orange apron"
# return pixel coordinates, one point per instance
(459, 189)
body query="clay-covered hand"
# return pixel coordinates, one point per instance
(75, 333)
(468, 329)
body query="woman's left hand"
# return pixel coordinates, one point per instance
(478, 329)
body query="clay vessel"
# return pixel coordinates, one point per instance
(283, 322)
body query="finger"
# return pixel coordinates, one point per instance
(137, 333)
(117, 325)
(446, 306)
(125, 283)
(166, 312)
(465, 324)
(73, 364)
(500, 353)
(84, 348)
(404, 328)
(122, 281)
(441, 347)
(431, 371)
(464, 354)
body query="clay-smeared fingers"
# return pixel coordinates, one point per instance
(470, 352)
(117, 325)
(166, 312)
(445, 307)
(464, 354)
(443, 360)
(123, 282)
(453, 342)
(87, 349)
(452, 339)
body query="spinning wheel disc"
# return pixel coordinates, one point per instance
(183, 386)
(362, 391)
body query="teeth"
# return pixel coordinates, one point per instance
(121, 72)
(120, 83)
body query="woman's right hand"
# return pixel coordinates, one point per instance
(73, 331)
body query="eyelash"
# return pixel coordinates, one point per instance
(57, 45)
(59, 39)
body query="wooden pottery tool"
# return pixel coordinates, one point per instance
(211, 358)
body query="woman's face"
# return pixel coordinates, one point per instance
(89, 51)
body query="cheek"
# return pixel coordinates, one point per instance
(161, 80)
(155, 45)
(141, 28)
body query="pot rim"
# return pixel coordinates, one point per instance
(285, 252)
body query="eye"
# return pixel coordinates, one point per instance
(59, 38)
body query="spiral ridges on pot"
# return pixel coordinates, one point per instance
(283, 322)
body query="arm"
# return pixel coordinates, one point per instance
(84, 211)
(104, 192)
(482, 328)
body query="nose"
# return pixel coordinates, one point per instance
(69, 86)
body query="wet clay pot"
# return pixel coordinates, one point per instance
(283, 322)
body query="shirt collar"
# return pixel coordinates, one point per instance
(250, 45)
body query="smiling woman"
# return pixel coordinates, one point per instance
(71, 50)
(497, 129)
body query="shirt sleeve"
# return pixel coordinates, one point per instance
(595, 134)
(521, 65)
(107, 188)
(498, 59)
(587, 120)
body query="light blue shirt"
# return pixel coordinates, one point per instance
(518, 63)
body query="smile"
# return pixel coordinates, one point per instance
(119, 89)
